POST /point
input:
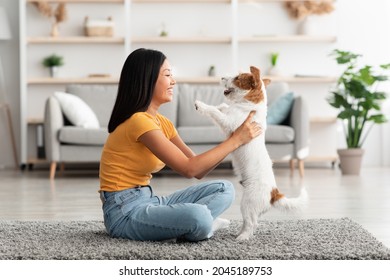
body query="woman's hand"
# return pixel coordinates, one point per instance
(247, 131)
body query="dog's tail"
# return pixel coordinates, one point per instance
(279, 201)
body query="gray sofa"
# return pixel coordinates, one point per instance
(67, 143)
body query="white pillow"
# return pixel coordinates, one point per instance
(76, 110)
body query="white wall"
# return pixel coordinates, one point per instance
(364, 28)
(9, 52)
(360, 26)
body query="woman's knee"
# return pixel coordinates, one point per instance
(227, 188)
(200, 221)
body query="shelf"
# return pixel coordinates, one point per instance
(251, 1)
(228, 40)
(323, 120)
(182, 40)
(182, 1)
(75, 40)
(165, 1)
(61, 81)
(213, 1)
(300, 79)
(288, 39)
(80, 1)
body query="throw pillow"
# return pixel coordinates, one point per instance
(280, 108)
(76, 110)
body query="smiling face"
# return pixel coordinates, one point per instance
(163, 91)
(246, 86)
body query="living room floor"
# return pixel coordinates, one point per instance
(73, 195)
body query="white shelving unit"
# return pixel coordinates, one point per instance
(288, 39)
(34, 40)
(178, 40)
(75, 40)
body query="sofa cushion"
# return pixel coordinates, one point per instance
(83, 136)
(276, 89)
(201, 134)
(101, 99)
(279, 134)
(280, 109)
(76, 110)
(187, 114)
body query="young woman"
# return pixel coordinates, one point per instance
(141, 141)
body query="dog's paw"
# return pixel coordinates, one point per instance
(243, 236)
(200, 106)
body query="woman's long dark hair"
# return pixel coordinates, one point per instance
(136, 85)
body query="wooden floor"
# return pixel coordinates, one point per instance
(30, 195)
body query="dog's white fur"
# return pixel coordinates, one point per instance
(245, 93)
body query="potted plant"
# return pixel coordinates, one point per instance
(163, 31)
(274, 70)
(359, 104)
(211, 71)
(53, 62)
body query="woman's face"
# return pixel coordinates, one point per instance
(163, 91)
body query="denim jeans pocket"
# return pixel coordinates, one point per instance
(126, 199)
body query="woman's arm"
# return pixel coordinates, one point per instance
(190, 165)
(182, 146)
(189, 153)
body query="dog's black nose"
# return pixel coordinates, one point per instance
(227, 91)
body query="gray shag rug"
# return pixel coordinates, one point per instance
(274, 240)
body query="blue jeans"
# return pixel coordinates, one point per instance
(138, 214)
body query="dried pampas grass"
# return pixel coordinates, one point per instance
(59, 14)
(301, 9)
(44, 8)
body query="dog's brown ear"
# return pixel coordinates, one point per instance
(266, 82)
(256, 76)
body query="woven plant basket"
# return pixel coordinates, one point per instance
(99, 28)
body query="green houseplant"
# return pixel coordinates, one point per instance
(359, 104)
(53, 62)
(274, 70)
(274, 58)
(211, 71)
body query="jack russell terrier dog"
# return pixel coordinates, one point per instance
(245, 93)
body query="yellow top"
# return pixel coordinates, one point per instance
(126, 162)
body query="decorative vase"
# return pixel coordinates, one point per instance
(306, 26)
(273, 71)
(54, 30)
(350, 160)
(54, 71)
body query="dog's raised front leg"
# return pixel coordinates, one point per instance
(222, 107)
(212, 112)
